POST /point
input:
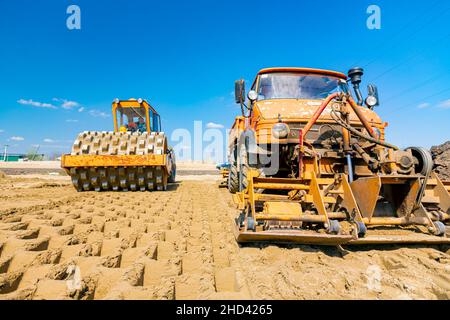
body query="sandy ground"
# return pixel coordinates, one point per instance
(56, 243)
(52, 169)
(30, 164)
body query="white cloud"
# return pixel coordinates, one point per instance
(47, 140)
(97, 113)
(1, 131)
(70, 104)
(212, 125)
(71, 120)
(17, 138)
(445, 104)
(36, 104)
(67, 104)
(64, 103)
(423, 105)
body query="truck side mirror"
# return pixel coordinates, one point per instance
(239, 91)
(372, 99)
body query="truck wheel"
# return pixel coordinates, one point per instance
(233, 179)
(244, 180)
(243, 168)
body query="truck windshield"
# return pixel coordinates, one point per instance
(296, 86)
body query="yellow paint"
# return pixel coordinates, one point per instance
(69, 161)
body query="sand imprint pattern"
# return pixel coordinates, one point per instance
(179, 245)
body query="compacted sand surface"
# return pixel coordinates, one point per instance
(56, 243)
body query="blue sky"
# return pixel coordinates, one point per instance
(183, 56)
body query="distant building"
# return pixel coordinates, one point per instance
(15, 157)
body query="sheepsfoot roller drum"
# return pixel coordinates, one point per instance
(310, 165)
(132, 158)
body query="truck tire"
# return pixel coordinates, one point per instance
(233, 179)
(244, 172)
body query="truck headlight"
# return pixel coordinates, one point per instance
(280, 130)
(371, 101)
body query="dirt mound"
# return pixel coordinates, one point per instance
(441, 157)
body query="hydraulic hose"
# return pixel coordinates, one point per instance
(362, 118)
(359, 134)
(372, 138)
(318, 112)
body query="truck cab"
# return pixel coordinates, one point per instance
(280, 103)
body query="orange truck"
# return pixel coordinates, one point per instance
(310, 164)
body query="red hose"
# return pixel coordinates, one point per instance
(317, 114)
